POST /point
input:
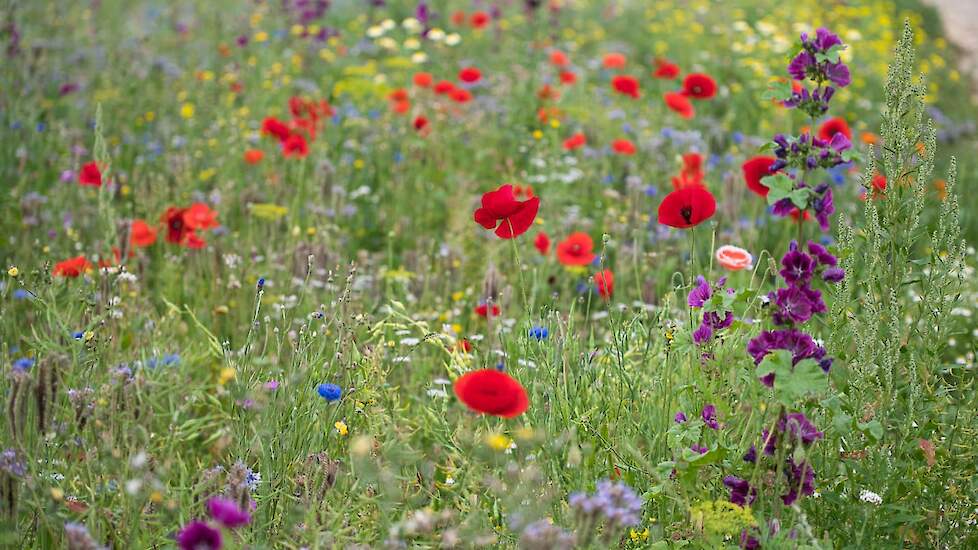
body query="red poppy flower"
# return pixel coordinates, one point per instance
(470, 74)
(613, 60)
(444, 87)
(568, 77)
(687, 207)
(398, 94)
(627, 85)
(423, 80)
(90, 175)
(72, 267)
(461, 95)
(420, 122)
(834, 126)
(699, 86)
(501, 206)
(463, 345)
(679, 103)
(605, 283)
(576, 249)
(797, 216)
(542, 243)
(691, 173)
(479, 19)
(482, 310)
(200, 216)
(755, 169)
(401, 107)
(490, 391)
(523, 191)
(141, 234)
(295, 146)
(559, 58)
(548, 92)
(458, 17)
(665, 69)
(575, 141)
(176, 229)
(272, 126)
(623, 147)
(253, 156)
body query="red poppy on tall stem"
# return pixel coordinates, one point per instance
(833, 126)
(72, 267)
(604, 282)
(679, 103)
(501, 206)
(423, 79)
(479, 19)
(575, 141)
(627, 85)
(613, 60)
(295, 146)
(482, 310)
(272, 126)
(542, 243)
(90, 175)
(699, 86)
(576, 249)
(755, 169)
(141, 234)
(687, 207)
(490, 391)
(623, 147)
(470, 74)
(665, 69)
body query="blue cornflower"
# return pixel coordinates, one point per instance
(540, 333)
(21, 294)
(77, 335)
(24, 363)
(329, 392)
(261, 283)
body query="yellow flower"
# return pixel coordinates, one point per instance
(498, 442)
(227, 374)
(261, 36)
(341, 427)
(637, 536)
(187, 110)
(13, 271)
(268, 211)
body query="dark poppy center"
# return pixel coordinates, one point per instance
(576, 249)
(687, 213)
(697, 89)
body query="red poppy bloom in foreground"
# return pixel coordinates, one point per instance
(490, 391)
(665, 69)
(627, 85)
(469, 74)
(542, 243)
(90, 175)
(501, 206)
(687, 207)
(834, 126)
(755, 169)
(623, 147)
(141, 234)
(699, 86)
(72, 267)
(576, 249)
(679, 103)
(482, 310)
(605, 283)
(575, 141)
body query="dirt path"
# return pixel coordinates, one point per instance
(960, 19)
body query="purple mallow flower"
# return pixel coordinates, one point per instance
(741, 492)
(227, 513)
(709, 416)
(198, 535)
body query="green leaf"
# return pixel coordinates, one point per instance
(830, 55)
(799, 197)
(793, 383)
(851, 155)
(873, 428)
(778, 91)
(780, 186)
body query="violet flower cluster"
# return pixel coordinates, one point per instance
(819, 62)
(712, 321)
(615, 503)
(199, 534)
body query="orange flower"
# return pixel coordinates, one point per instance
(614, 60)
(141, 234)
(253, 156)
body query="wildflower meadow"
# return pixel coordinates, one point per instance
(526, 274)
